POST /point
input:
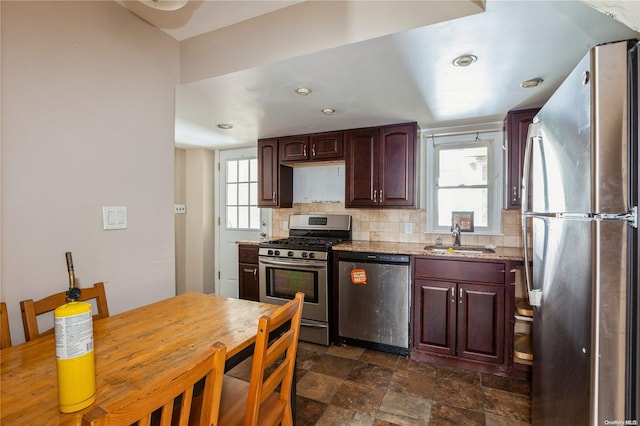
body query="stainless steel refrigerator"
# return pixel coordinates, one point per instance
(580, 195)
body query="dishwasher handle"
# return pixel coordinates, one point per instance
(356, 256)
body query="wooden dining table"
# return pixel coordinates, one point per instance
(131, 348)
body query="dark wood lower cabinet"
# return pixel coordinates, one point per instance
(435, 316)
(459, 312)
(248, 272)
(481, 322)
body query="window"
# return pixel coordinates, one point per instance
(242, 194)
(464, 174)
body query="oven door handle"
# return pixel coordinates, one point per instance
(312, 324)
(302, 264)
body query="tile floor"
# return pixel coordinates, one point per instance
(346, 385)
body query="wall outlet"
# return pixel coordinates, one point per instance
(285, 225)
(408, 228)
(180, 209)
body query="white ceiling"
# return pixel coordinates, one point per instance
(406, 76)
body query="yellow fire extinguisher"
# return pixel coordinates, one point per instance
(74, 350)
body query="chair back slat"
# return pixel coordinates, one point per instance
(32, 309)
(5, 336)
(283, 350)
(162, 394)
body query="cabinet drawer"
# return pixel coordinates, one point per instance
(248, 254)
(460, 270)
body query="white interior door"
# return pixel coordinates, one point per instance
(239, 218)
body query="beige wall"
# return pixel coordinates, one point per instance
(88, 121)
(180, 191)
(195, 230)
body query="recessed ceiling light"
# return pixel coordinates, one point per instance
(464, 60)
(531, 83)
(165, 4)
(224, 126)
(303, 91)
(328, 111)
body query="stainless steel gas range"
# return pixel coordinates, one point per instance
(302, 262)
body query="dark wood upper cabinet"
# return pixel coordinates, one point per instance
(380, 165)
(275, 182)
(294, 148)
(398, 165)
(326, 146)
(517, 125)
(361, 167)
(315, 147)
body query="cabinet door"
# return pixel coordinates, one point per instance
(267, 172)
(275, 182)
(248, 282)
(326, 146)
(294, 148)
(434, 316)
(481, 322)
(397, 165)
(517, 126)
(361, 167)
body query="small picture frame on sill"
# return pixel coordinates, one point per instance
(463, 219)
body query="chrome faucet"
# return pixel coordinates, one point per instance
(456, 236)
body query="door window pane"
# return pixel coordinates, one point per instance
(232, 194)
(232, 217)
(242, 194)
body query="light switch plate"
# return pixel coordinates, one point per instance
(114, 218)
(180, 209)
(408, 228)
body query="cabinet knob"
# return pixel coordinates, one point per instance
(273, 197)
(304, 151)
(255, 273)
(453, 295)
(460, 296)
(313, 150)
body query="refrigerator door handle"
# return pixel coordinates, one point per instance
(631, 216)
(535, 295)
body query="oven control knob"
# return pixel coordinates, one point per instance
(312, 255)
(269, 252)
(290, 254)
(277, 252)
(304, 254)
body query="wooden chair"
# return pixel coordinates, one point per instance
(260, 401)
(5, 337)
(162, 393)
(31, 310)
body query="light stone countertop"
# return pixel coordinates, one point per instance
(248, 243)
(501, 253)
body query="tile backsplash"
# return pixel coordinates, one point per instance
(389, 225)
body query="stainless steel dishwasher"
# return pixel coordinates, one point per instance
(374, 296)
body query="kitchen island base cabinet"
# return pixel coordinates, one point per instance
(459, 312)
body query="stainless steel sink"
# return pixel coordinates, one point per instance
(461, 249)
